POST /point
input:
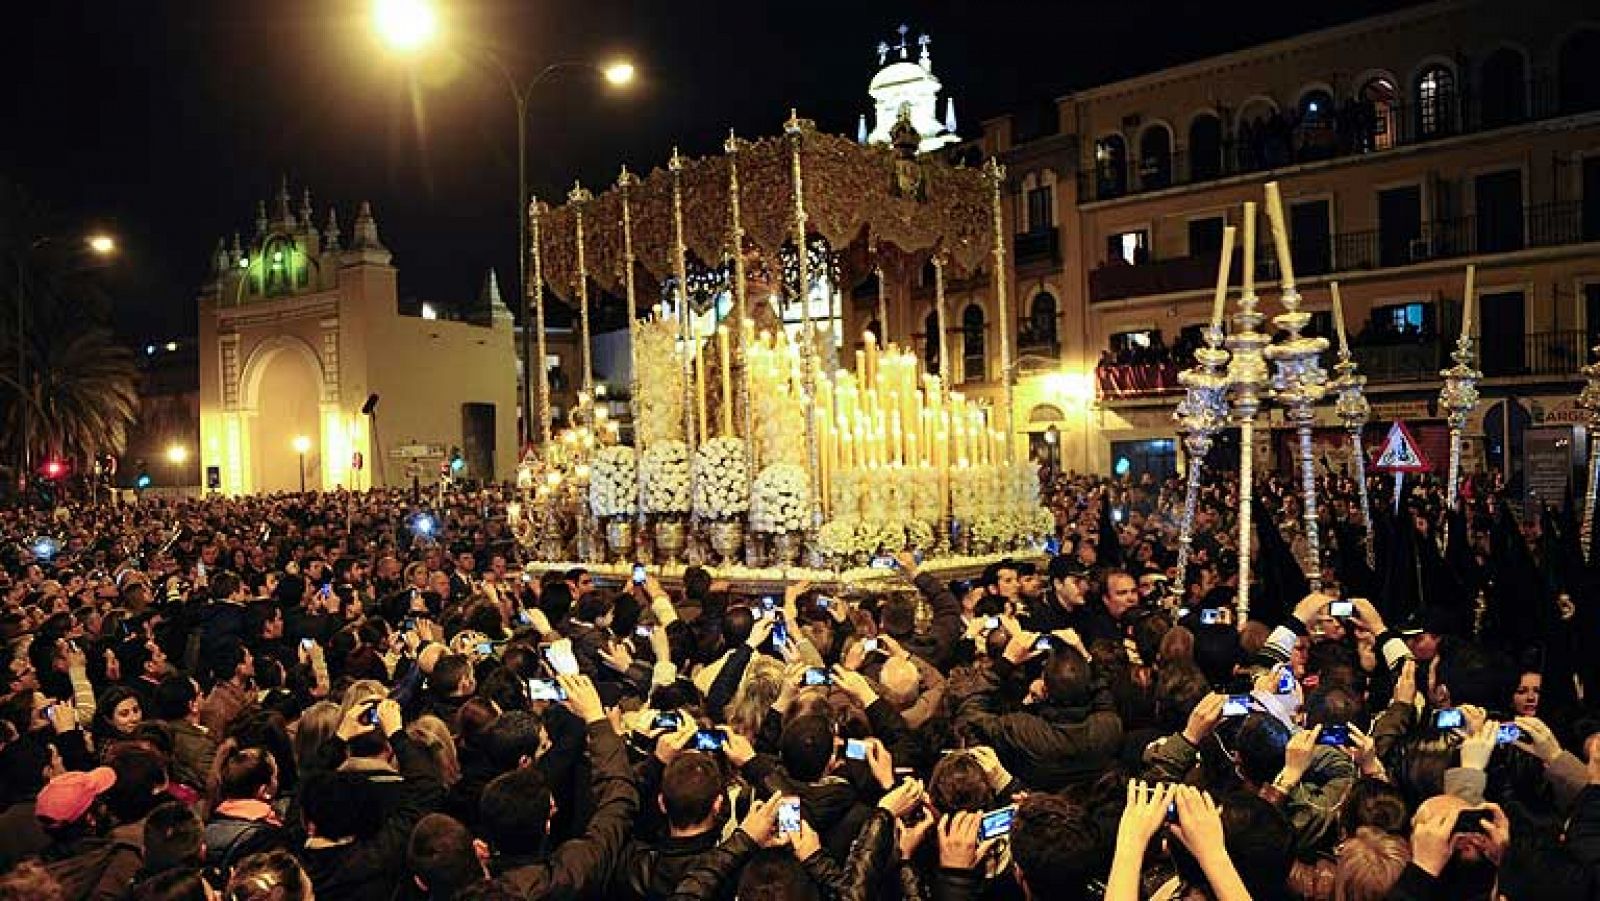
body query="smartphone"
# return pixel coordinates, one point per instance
(709, 740)
(546, 690)
(780, 634)
(884, 561)
(1335, 735)
(1448, 718)
(670, 720)
(1210, 616)
(1172, 811)
(307, 644)
(1285, 682)
(1052, 546)
(369, 717)
(789, 814)
(1472, 820)
(1043, 645)
(1342, 609)
(855, 749)
(868, 645)
(409, 624)
(643, 631)
(484, 648)
(1236, 705)
(559, 655)
(524, 617)
(1509, 733)
(991, 623)
(824, 602)
(639, 574)
(996, 823)
(816, 675)
(768, 603)
(527, 577)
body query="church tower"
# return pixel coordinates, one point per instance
(909, 90)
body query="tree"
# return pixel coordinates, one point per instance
(78, 391)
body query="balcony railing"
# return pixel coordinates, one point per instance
(1353, 130)
(1038, 245)
(1541, 225)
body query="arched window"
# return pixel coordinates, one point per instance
(1378, 98)
(1155, 158)
(1435, 95)
(1111, 166)
(930, 341)
(1257, 145)
(972, 356)
(1314, 135)
(1039, 333)
(1578, 71)
(1205, 147)
(1501, 87)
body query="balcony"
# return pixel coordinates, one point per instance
(1540, 225)
(1041, 245)
(1357, 129)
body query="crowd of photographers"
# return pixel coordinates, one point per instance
(343, 696)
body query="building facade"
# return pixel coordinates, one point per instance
(311, 373)
(1406, 146)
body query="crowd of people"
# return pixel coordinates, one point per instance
(349, 696)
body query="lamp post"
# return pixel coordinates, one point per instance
(408, 26)
(301, 445)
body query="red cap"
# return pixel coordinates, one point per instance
(70, 795)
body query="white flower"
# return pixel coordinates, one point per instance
(781, 500)
(658, 381)
(721, 482)
(837, 538)
(664, 477)
(614, 482)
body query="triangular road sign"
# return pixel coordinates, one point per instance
(1400, 452)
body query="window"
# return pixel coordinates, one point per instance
(1155, 158)
(1314, 134)
(1205, 148)
(1039, 332)
(1400, 226)
(1378, 106)
(1316, 108)
(1111, 166)
(1041, 217)
(1498, 209)
(972, 341)
(1501, 85)
(1403, 320)
(1205, 236)
(1132, 248)
(1435, 94)
(1310, 244)
(1578, 71)
(1136, 344)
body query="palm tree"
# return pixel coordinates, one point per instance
(78, 391)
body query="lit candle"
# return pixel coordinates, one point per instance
(1338, 318)
(870, 341)
(1249, 248)
(725, 359)
(1469, 301)
(1220, 300)
(700, 384)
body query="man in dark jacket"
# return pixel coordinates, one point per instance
(352, 852)
(1069, 737)
(516, 810)
(898, 617)
(693, 798)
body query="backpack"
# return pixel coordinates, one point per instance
(226, 838)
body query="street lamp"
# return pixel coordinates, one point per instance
(301, 445)
(408, 25)
(102, 244)
(177, 454)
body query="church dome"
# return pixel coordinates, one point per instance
(900, 73)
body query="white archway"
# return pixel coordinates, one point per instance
(283, 395)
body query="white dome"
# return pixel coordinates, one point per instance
(901, 73)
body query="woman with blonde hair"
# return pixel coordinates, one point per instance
(763, 681)
(1370, 863)
(431, 733)
(317, 724)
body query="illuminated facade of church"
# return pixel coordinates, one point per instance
(300, 332)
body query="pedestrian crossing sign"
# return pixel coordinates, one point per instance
(1401, 452)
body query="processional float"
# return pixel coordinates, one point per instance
(749, 446)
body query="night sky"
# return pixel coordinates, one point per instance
(165, 121)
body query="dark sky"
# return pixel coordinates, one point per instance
(165, 121)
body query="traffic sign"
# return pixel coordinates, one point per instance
(1400, 452)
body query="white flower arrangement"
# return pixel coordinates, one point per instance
(919, 534)
(781, 499)
(985, 529)
(1041, 523)
(837, 537)
(614, 482)
(881, 536)
(658, 381)
(845, 488)
(664, 477)
(969, 491)
(924, 493)
(721, 481)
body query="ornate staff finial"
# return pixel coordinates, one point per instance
(626, 179)
(579, 194)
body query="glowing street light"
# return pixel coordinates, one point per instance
(177, 454)
(405, 25)
(619, 73)
(102, 244)
(301, 445)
